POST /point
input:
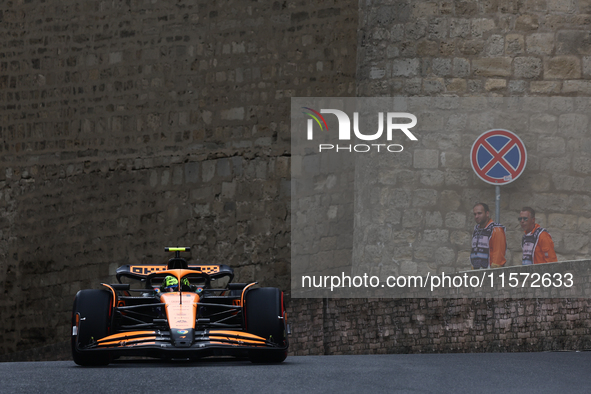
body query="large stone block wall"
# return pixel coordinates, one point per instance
(434, 48)
(128, 126)
(488, 48)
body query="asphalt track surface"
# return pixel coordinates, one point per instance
(554, 372)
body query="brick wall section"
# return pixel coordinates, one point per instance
(430, 325)
(130, 126)
(361, 326)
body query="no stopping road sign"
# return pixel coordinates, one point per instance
(498, 157)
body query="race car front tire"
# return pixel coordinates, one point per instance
(94, 308)
(264, 316)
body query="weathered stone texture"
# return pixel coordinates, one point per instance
(537, 41)
(130, 126)
(361, 326)
(495, 49)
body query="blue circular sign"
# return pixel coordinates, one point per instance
(498, 157)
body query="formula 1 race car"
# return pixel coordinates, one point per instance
(191, 320)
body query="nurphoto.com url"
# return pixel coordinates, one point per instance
(489, 279)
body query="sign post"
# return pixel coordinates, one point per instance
(497, 203)
(498, 157)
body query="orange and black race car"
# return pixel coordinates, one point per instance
(195, 319)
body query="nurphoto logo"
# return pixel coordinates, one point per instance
(391, 124)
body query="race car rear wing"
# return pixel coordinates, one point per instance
(141, 272)
(145, 273)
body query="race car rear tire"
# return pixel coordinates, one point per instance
(95, 310)
(264, 316)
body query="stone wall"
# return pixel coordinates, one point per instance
(466, 49)
(501, 47)
(128, 126)
(488, 48)
(451, 323)
(380, 326)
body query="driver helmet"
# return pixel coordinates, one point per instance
(170, 283)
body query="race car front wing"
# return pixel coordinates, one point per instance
(184, 343)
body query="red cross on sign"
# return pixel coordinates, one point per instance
(498, 157)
